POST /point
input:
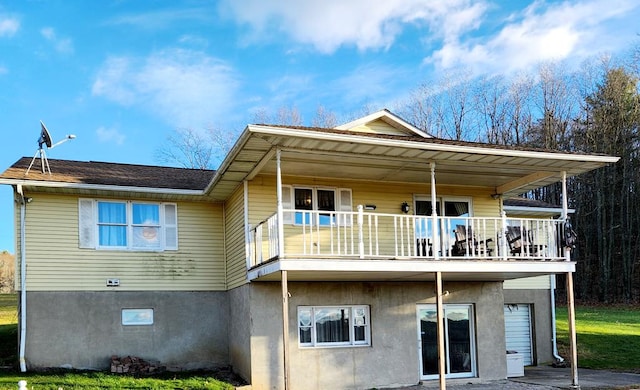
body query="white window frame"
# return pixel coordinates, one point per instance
(89, 235)
(130, 317)
(288, 203)
(354, 322)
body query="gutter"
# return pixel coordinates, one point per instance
(23, 280)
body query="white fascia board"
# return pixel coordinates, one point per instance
(99, 187)
(547, 210)
(286, 132)
(492, 266)
(240, 142)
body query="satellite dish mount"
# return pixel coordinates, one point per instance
(45, 140)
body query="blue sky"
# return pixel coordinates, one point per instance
(123, 74)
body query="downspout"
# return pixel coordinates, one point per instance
(554, 340)
(23, 280)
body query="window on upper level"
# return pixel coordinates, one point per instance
(127, 225)
(317, 205)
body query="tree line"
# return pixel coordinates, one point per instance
(594, 109)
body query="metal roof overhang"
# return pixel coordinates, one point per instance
(364, 157)
(405, 270)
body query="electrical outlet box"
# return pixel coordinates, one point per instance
(113, 282)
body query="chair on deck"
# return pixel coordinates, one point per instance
(521, 242)
(466, 243)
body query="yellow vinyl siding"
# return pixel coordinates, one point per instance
(55, 263)
(534, 283)
(387, 198)
(235, 239)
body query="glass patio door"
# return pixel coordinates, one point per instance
(460, 356)
(450, 207)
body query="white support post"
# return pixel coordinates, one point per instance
(440, 327)
(285, 328)
(360, 232)
(434, 214)
(504, 243)
(279, 205)
(565, 201)
(248, 252)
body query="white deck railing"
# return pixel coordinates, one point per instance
(334, 234)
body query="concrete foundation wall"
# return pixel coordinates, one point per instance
(83, 329)
(392, 359)
(541, 321)
(240, 331)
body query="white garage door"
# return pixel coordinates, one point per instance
(517, 325)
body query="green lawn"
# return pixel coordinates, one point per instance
(608, 337)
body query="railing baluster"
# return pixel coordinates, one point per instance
(360, 233)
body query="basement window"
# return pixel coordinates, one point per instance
(333, 326)
(137, 316)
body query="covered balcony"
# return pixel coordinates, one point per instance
(377, 236)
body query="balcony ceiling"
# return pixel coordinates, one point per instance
(372, 157)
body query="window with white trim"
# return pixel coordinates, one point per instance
(333, 326)
(317, 205)
(127, 225)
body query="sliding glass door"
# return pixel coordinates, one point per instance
(460, 356)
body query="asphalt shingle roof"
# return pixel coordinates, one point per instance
(112, 174)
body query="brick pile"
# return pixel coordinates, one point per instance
(134, 366)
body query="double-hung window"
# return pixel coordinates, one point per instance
(127, 225)
(316, 205)
(333, 326)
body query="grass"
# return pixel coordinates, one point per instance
(65, 379)
(608, 337)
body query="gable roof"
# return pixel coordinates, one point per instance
(104, 175)
(389, 118)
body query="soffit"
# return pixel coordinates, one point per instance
(393, 159)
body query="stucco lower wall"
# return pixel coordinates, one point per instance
(240, 331)
(541, 321)
(392, 359)
(83, 329)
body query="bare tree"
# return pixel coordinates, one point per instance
(324, 118)
(189, 148)
(7, 272)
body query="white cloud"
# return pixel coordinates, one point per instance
(542, 32)
(8, 26)
(367, 24)
(61, 44)
(185, 88)
(110, 136)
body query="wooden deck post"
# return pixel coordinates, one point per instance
(285, 328)
(440, 327)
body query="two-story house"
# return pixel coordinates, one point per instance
(367, 255)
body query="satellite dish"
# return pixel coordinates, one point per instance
(45, 136)
(45, 139)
